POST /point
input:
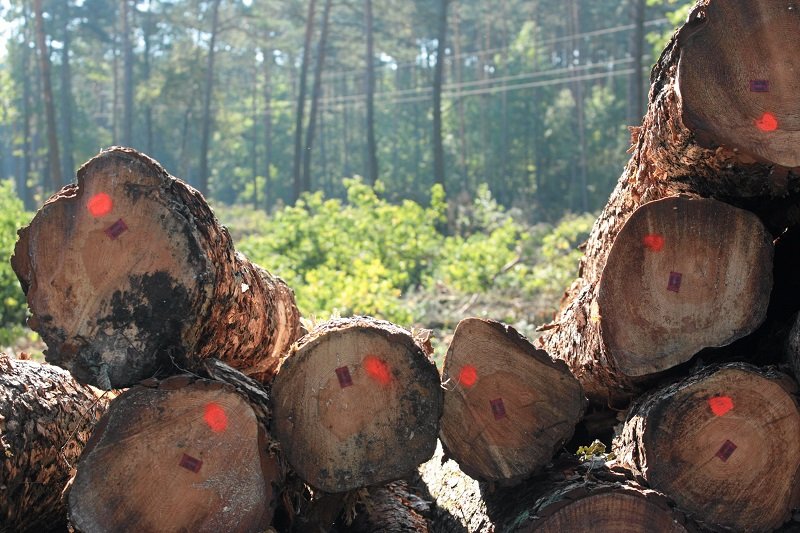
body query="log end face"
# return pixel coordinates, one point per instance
(357, 403)
(508, 407)
(739, 79)
(683, 274)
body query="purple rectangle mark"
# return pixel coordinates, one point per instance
(498, 408)
(674, 284)
(759, 86)
(344, 377)
(726, 450)
(116, 229)
(190, 463)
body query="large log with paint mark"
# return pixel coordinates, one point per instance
(183, 454)
(724, 444)
(129, 275)
(46, 418)
(508, 407)
(569, 495)
(721, 123)
(356, 402)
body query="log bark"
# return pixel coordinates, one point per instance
(184, 454)
(129, 275)
(393, 508)
(45, 421)
(695, 141)
(792, 348)
(722, 443)
(356, 402)
(508, 407)
(568, 496)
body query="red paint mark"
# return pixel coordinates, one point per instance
(190, 463)
(759, 86)
(468, 376)
(674, 283)
(215, 417)
(726, 451)
(116, 229)
(654, 242)
(100, 205)
(767, 122)
(720, 404)
(498, 408)
(344, 377)
(377, 369)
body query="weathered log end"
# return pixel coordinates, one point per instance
(737, 78)
(186, 454)
(129, 275)
(508, 407)
(682, 275)
(46, 418)
(357, 402)
(723, 444)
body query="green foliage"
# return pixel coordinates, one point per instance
(595, 449)
(12, 300)
(366, 255)
(678, 11)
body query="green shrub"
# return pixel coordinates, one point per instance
(12, 301)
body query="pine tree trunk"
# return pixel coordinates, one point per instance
(508, 407)
(301, 103)
(129, 275)
(67, 137)
(372, 155)
(438, 80)
(208, 92)
(185, 454)
(691, 143)
(49, 104)
(127, 75)
(722, 443)
(357, 402)
(45, 421)
(568, 496)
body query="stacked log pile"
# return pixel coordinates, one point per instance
(234, 420)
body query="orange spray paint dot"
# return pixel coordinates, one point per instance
(468, 376)
(720, 404)
(100, 205)
(377, 369)
(215, 417)
(767, 122)
(654, 242)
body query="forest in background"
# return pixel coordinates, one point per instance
(481, 148)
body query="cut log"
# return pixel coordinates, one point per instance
(356, 402)
(792, 348)
(183, 454)
(128, 274)
(46, 418)
(508, 407)
(687, 144)
(393, 508)
(682, 275)
(568, 496)
(724, 444)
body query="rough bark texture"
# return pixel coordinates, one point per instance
(183, 454)
(722, 443)
(391, 509)
(674, 153)
(569, 496)
(128, 275)
(357, 402)
(792, 348)
(508, 407)
(45, 420)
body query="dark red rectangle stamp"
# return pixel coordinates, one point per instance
(674, 283)
(190, 463)
(759, 86)
(116, 229)
(726, 450)
(498, 408)
(344, 377)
